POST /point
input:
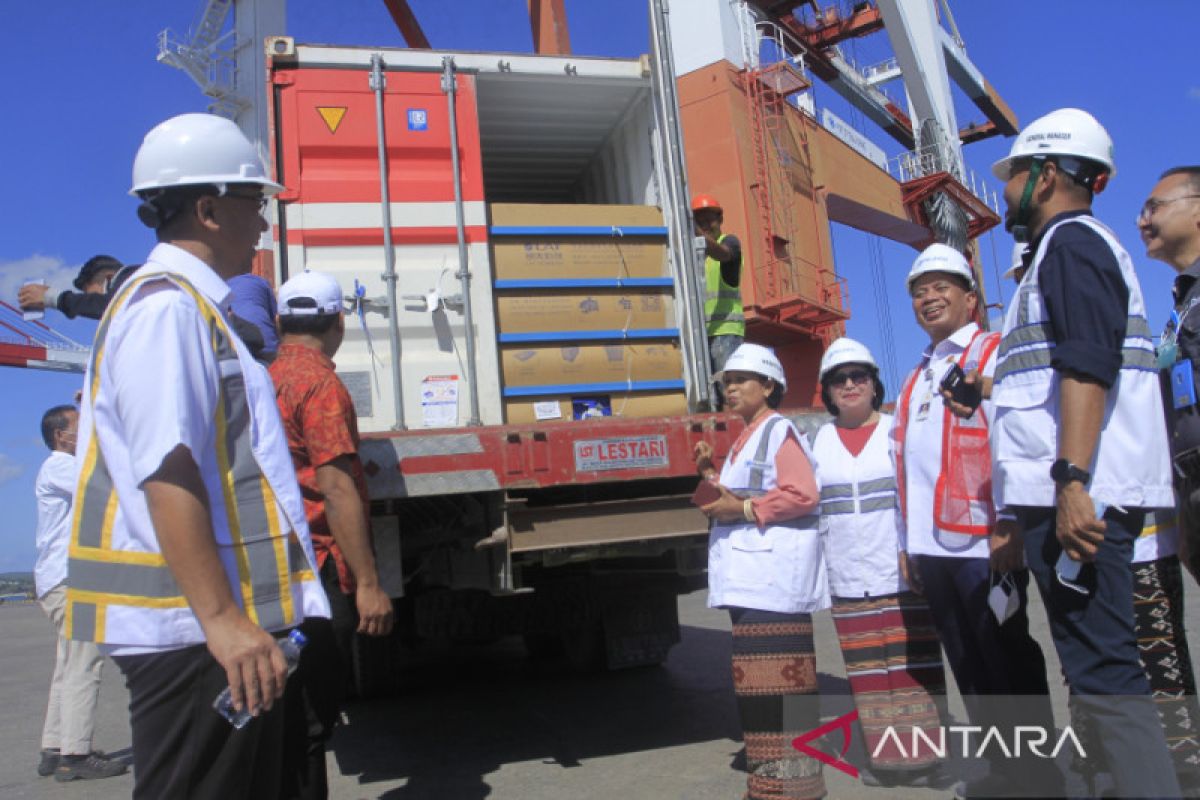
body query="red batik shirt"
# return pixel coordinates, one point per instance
(318, 416)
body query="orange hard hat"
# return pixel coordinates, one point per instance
(705, 201)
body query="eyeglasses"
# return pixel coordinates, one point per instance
(1155, 203)
(259, 199)
(858, 377)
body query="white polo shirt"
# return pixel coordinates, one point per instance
(923, 453)
(159, 386)
(53, 489)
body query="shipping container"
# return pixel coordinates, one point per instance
(534, 475)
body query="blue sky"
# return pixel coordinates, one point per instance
(83, 87)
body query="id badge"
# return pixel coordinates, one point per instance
(923, 411)
(1183, 387)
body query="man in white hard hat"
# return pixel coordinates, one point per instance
(1078, 454)
(189, 548)
(322, 429)
(1169, 224)
(943, 467)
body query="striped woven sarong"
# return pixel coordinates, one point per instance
(775, 681)
(894, 665)
(1163, 650)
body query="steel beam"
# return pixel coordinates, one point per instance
(406, 21)
(548, 20)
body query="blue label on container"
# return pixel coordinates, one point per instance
(418, 119)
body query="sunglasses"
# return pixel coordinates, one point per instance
(857, 376)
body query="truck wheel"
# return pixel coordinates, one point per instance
(543, 646)
(585, 648)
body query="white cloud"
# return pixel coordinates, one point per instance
(10, 469)
(51, 269)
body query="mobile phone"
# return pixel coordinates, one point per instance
(707, 492)
(955, 382)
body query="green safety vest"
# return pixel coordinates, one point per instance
(722, 303)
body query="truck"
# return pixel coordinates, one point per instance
(526, 349)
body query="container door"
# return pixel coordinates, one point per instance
(326, 154)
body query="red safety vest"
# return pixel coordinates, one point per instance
(962, 498)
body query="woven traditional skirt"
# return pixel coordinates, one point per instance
(775, 681)
(894, 665)
(1163, 649)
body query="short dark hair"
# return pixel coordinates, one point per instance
(776, 396)
(310, 324)
(827, 390)
(93, 266)
(53, 421)
(1193, 173)
(162, 208)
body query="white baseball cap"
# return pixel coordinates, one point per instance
(310, 294)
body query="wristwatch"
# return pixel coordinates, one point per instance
(1063, 472)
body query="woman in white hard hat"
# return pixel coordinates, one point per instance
(765, 566)
(888, 639)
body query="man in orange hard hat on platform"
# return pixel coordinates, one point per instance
(723, 316)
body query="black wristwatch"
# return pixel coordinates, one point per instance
(1063, 472)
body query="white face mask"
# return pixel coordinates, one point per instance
(1004, 600)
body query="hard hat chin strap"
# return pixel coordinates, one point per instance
(1018, 224)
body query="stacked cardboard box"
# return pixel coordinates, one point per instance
(560, 361)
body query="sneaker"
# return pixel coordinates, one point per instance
(48, 762)
(86, 768)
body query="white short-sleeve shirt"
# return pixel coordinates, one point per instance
(53, 489)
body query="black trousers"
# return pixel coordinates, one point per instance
(315, 692)
(1096, 643)
(182, 748)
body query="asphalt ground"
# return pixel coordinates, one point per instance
(486, 722)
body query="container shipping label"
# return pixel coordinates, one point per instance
(625, 452)
(439, 401)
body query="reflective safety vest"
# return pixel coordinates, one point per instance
(962, 498)
(780, 567)
(1132, 462)
(723, 312)
(858, 513)
(120, 589)
(1159, 537)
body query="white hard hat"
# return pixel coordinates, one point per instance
(757, 359)
(310, 294)
(1068, 132)
(845, 351)
(1018, 259)
(196, 149)
(941, 258)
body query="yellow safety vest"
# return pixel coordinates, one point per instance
(723, 313)
(103, 575)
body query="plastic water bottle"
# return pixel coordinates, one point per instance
(291, 647)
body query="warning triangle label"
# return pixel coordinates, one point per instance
(332, 116)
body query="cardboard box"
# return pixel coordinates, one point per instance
(628, 405)
(548, 256)
(595, 310)
(573, 214)
(540, 365)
